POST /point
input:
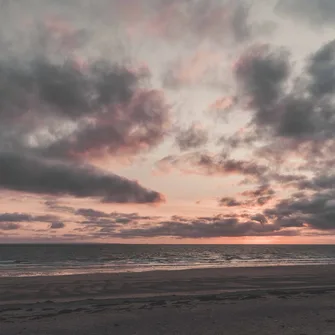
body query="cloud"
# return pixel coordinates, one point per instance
(199, 68)
(91, 213)
(229, 202)
(215, 21)
(107, 107)
(291, 113)
(321, 67)
(259, 218)
(22, 217)
(217, 226)
(316, 12)
(302, 113)
(118, 217)
(54, 205)
(261, 73)
(207, 164)
(15, 217)
(259, 197)
(28, 174)
(316, 211)
(191, 138)
(58, 107)
(318, 183)
(11, 221)
(98, 224)
(263, 190)
(9, 226)
(57, 225)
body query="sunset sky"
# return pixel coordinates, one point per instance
(177, 121)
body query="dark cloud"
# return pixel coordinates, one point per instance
(112, 111)
(11, 221)
(59, 103)
(15, 217)
(290, 114)
(57, 225)
(261, 73)
(321, 69)
(27, 174)
(191, 138)
(114, 219)
(91, 213)
(316, 211)
(21, 217)
(9, 226)
(259, 197)
(207, 164)
(263, 190)
(316, 12)
(54, 205)
(204, 163)
(261, 201)
(229, 202)
(218, 226)
(259, 218)
(98, 224)
(303, 113)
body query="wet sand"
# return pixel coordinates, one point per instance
(273, 300)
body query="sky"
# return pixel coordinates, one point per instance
(180, 121)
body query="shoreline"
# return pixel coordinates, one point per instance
(94, 275)
(166, 269)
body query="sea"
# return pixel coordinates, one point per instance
(23, 260)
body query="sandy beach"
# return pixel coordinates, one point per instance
(271, 300)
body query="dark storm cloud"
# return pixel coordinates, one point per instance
(27, 174)
(191, 138)
(316, 12)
